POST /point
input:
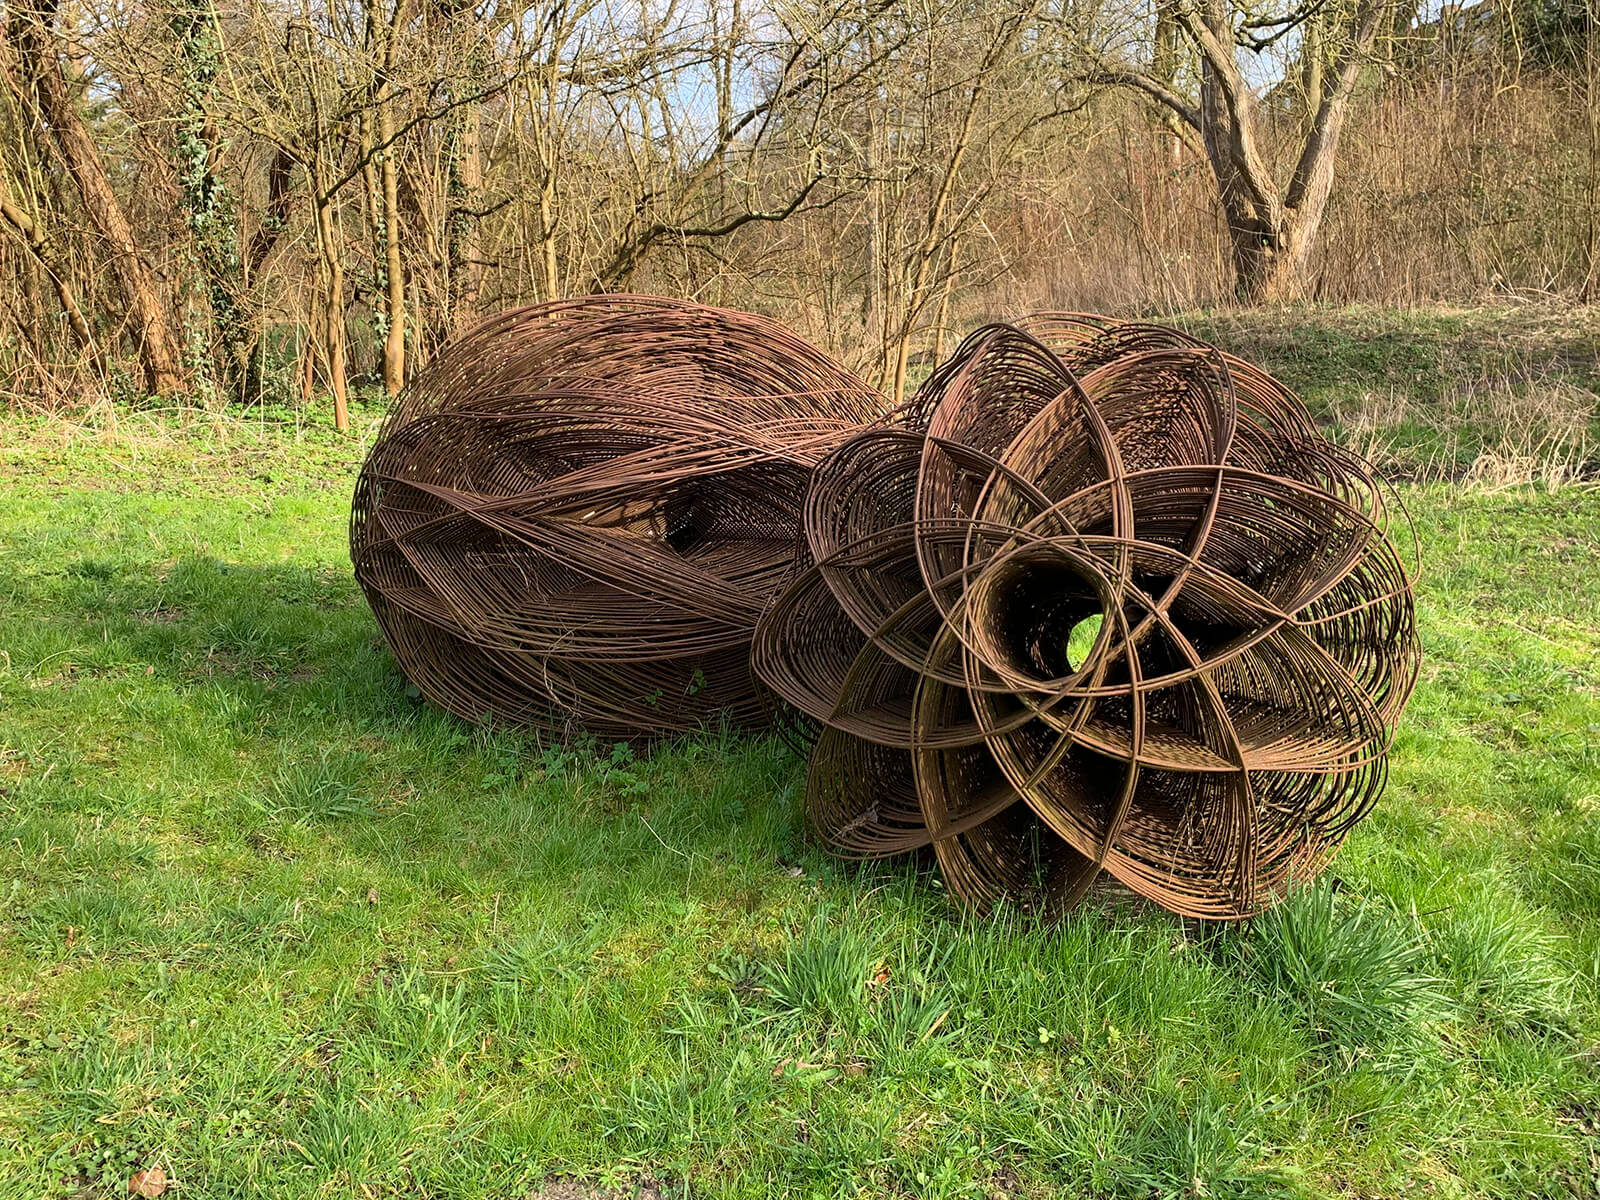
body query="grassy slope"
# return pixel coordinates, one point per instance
(1500, 395)
(267, 923)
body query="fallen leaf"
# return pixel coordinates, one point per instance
(148, 1183)
(149, 670)
(372, 895)
(793, 1066)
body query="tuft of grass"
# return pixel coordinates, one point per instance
(326, 786)
(821, 976)
(1505, 966)
(1204, 1147)
(1355, 972)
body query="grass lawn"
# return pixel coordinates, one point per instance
(272, 926)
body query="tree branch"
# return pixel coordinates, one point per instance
(1154, 88)
(1313, 173)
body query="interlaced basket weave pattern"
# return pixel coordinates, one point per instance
(1106, 600)
(573, 517)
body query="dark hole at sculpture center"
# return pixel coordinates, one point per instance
(688, 521)
(1052, 617)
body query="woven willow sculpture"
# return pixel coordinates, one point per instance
(1105, 601)
(575, 515)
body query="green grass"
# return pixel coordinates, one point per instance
(272, 926)
(1494, 395)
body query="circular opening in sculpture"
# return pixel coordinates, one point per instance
(1054, 631)
(686, 522)
(1034, 619)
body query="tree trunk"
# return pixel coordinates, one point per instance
(333, 302)
(394, 344)
(1164, 67)
(548, 261)
(724, 48)
(203, 195)
(1312, 79)
(1270, 232)
(308, 351)
(1269, 269)
(874, 296)
(1255, 230)
(540, 92)
(45, 254)
(942, 320)
(262, 240)
(152, 322)
(464, 227)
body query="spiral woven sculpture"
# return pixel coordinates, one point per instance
(575, 515)
(1106, 600)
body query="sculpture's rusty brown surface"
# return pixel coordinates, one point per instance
(1100, 598)
(1107, 601)
(574, 516)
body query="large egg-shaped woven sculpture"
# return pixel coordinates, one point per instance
(574, 516)
(1106, 600)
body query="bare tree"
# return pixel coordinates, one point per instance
(32, 27)
(1272, 226)
(17, 222)
(297, 197)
